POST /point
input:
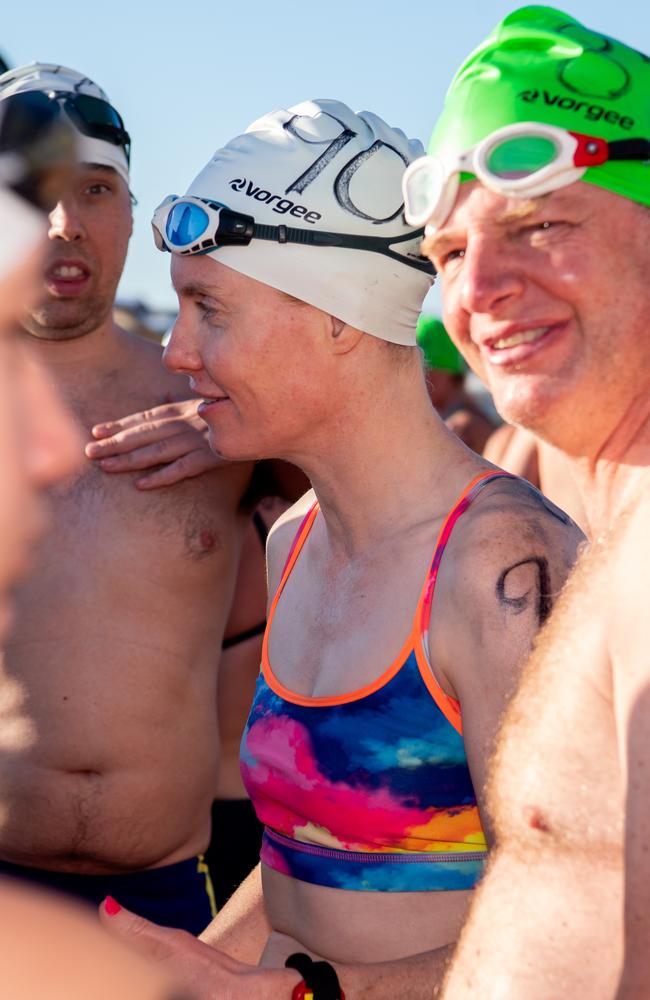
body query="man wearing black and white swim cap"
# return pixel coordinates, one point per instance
(118, 629)
(300, 285)
(38, 445)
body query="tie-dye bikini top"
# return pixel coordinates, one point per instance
(371, 789)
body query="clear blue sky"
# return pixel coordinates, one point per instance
(189, 76)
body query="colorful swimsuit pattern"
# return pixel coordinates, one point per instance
(369, 790)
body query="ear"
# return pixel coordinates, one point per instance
(343, 338)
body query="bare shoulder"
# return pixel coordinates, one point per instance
(281, 537)
(512, 527)
(508, 559)
(145, 366)
(513, 449)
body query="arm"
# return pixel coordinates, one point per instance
(629, 648)
(241, 928)
(508, 564)
(210, 974)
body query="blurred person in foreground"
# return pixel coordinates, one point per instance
(445, 371)
(380, 692)
(49, 950)
(536, 201)
(112, 659)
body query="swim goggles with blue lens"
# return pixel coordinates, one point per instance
(189, 225)
(524, 160)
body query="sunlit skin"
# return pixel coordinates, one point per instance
(509, 266)
(89, 231)
(38, 444)
(221, 336)
(102, 647)
(563, 909)
(282, 378)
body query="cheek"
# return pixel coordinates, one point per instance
(457, 324)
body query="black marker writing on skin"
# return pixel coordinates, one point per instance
(519, 604)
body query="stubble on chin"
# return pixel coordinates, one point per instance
(66, 320)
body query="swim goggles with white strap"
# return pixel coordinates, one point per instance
(524, 160)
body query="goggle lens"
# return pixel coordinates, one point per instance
(521, 156)
(97, 112)
(186, 223)
(423, 190)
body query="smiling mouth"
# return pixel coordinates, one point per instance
(523, 337)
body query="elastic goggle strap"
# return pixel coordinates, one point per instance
(525, 160)
(94, 117)
(180, 226)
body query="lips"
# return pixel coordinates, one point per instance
(67, 278)
(210, 403)
(516, 344)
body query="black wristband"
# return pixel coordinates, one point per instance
(320, 977)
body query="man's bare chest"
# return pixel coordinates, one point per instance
(556, 779)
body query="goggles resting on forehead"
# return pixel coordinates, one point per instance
(90, 115)
(37, 148)
(188, 225)
(524, 160)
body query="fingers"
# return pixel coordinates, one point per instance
(158, 943)
(183, 409)
(146, 456)
(133, 438)
(195, 463)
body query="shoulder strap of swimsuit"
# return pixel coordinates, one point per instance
(448, 705)
(294, 552)
(465, 500)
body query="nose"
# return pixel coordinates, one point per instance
(181, 354)
(491, 275)
(52, 445)
(66, 222)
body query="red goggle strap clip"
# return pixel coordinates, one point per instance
(591, 151)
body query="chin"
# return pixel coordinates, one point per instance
(232, 449)
(525, 402)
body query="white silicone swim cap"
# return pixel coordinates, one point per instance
(49, 76)
(318, 165)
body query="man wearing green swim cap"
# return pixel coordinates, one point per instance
(535, 198)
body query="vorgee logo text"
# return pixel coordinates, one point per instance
(282, 205)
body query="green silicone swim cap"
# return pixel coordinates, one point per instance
(541, 65)
(439, 352)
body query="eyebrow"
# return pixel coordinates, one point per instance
(438, 242)
(192, 289)
(99, 166)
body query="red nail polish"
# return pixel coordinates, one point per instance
(111, 906)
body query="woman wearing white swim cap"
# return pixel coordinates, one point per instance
(300, 286)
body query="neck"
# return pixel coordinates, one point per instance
(95, 349)
(610, 478)
(383, 467)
